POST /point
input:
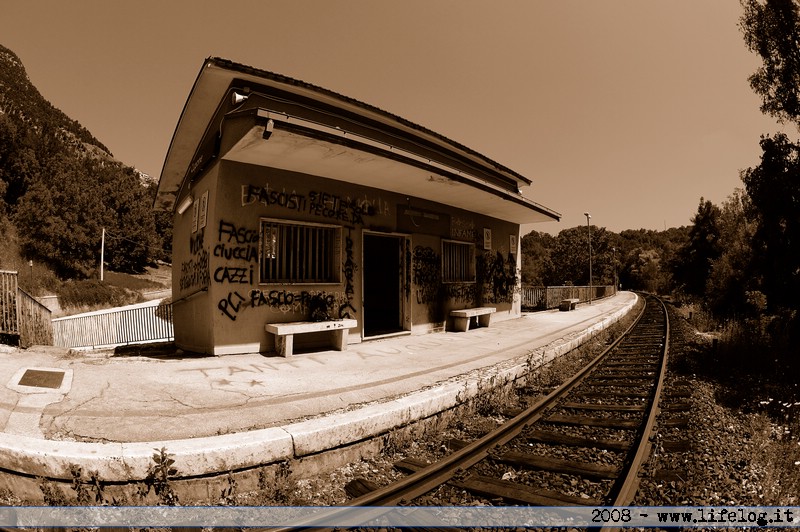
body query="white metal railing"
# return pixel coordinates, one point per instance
(548, 297)
(148, 322)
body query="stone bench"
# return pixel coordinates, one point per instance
(568, 304)
(462, 317)
(284, 333)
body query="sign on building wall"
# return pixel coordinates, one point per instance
(200, 212)
(195, 211)
(203, 214)
(487, 239)
(512, 244)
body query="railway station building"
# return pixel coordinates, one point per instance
(293, 203)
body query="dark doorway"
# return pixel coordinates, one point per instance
(383, 276)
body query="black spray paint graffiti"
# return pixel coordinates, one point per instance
(338, 208)
(346, 309)
(323, 204)
(264, 195)
(195, 271)
(461, 292)
(427, 274)
(498, 277)
(241, 244)
(408, 269)
(233, 275)
(231, 305)
(428, 282)
(284, 301)
(287, 301)
(236, 243)
(429, 288)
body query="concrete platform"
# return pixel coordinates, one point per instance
(216, 414)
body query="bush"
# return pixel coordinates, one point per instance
(761, 346)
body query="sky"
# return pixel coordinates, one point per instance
(631, 110)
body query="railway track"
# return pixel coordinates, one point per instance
(593, 431)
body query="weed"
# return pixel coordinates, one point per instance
(778, 458)
(276, 489)
(158, 478)
(393, 443)
(52, 494)
(229, 494)
(87, 491)
(283, 485)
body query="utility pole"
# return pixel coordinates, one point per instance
(589, 227)
(102, 252)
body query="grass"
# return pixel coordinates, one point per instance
(758, 377)
(117, 289)
(136, 283)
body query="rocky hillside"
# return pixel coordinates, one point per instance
(20, 100)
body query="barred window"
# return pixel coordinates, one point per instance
(293, 252)
(458, 262)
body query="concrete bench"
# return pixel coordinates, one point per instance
(462, 317)
(568, 304)
(284, 333)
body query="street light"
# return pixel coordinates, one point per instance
(614, 249)
(589, 227)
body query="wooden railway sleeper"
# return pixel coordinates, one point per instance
(588, 421)
(557, 465)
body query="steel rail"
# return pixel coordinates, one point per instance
(440, 472)
(628, 488)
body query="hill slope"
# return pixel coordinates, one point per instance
(60, 187)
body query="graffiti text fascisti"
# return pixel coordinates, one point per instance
(290, 200)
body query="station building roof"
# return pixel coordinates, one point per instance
(240, 113)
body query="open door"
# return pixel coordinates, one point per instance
(383, 284)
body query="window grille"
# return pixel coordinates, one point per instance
(300, 253)
(458, 262)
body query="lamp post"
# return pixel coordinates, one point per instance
(589, 228)
(614, 249)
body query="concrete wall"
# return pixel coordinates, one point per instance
(191, 267)
(222, 309)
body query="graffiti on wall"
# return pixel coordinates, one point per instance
(346, 308)
(286, 301)
(195, 271)
(463, 229)
(427, 274)
(345, 209)
(271, 197)
(239, 246)
(231, 304)
(498, 277)
(236, 243)
(283, 301)
(461, 292)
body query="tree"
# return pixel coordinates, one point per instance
(58, 221)
(536, 249)
(62, 215)
(731, 279)
(771, 29)
(694, 259)
(569, 257)
(774, 190)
